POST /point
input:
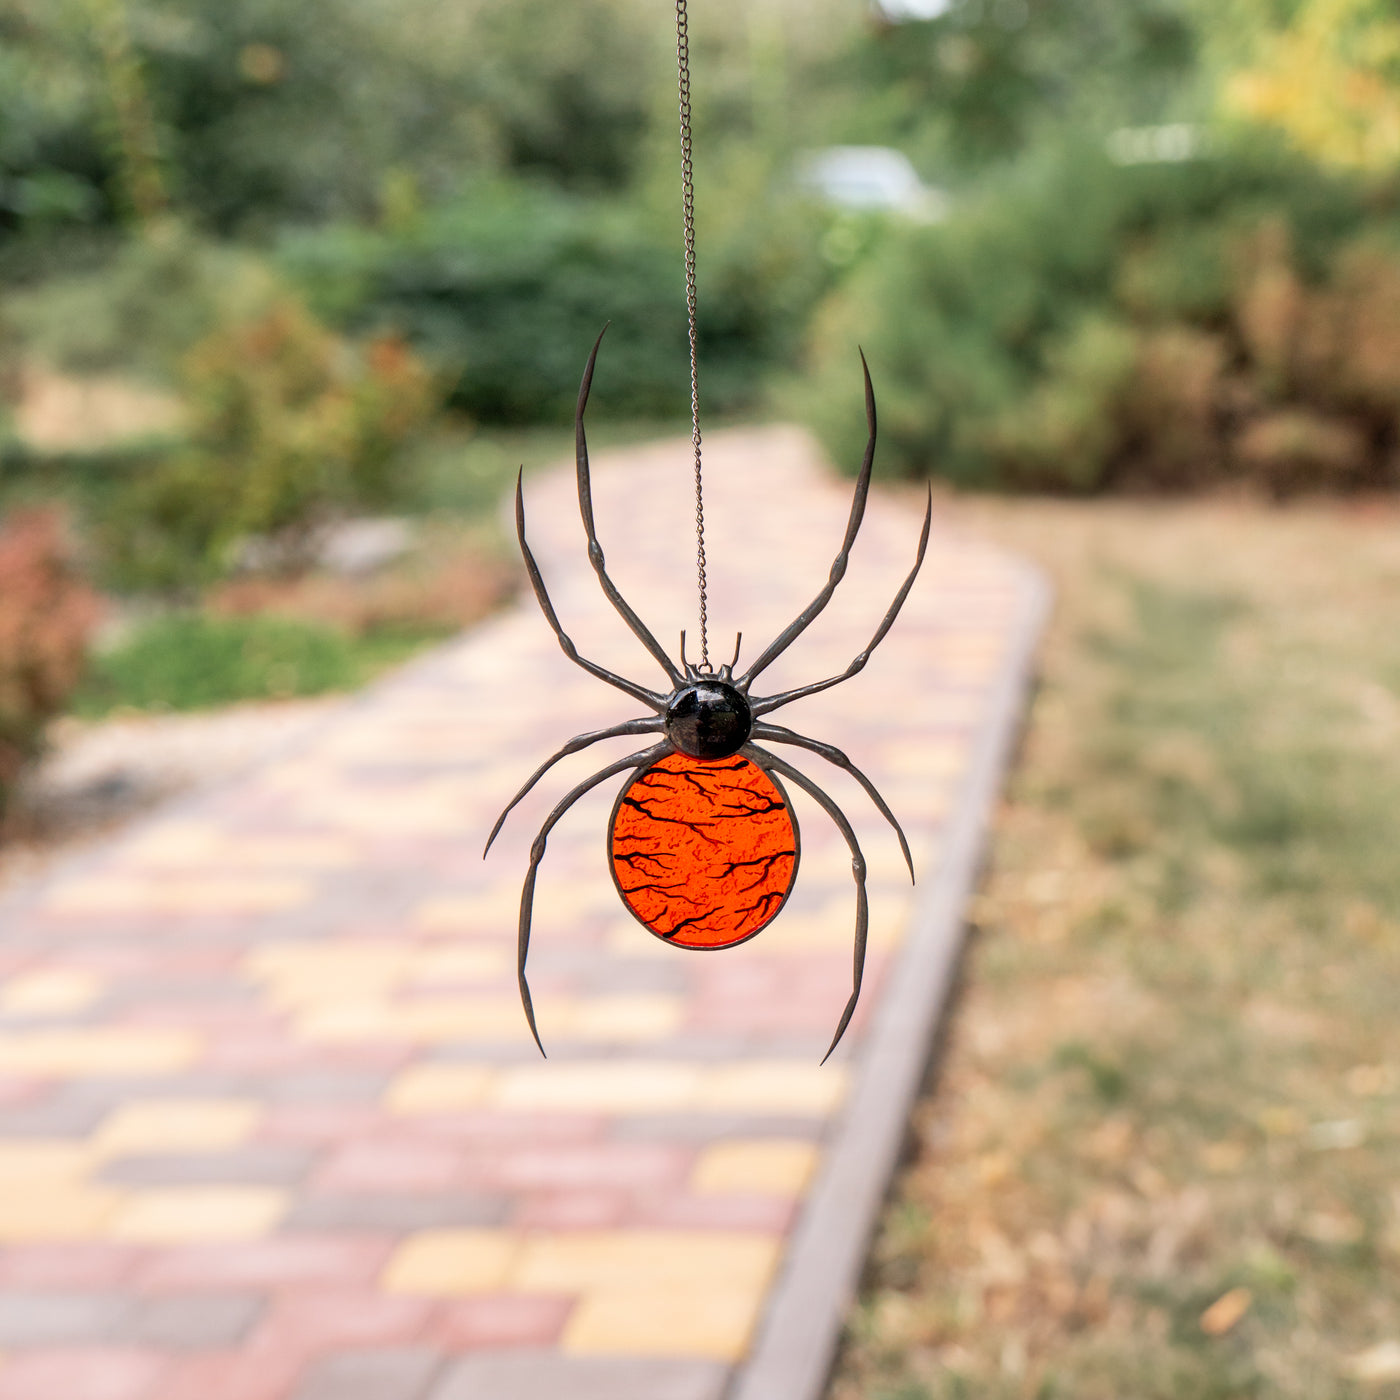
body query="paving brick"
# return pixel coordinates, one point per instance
(75, 1266)
(286, 1261)
(100, 1053)
(176, 1125)
(56, 1212)
(452, 1263)
(573, 1210)
(257, 1164)
(618, 1165)
(698, 1319)
(392, 1164)
(495, 1321)
(194, 1322)
(768, 1214)
(58, 1319)
(757, 1166)
(403, 1374)
(179, 1215)
(546, 1376)
(712, 1127)
(81, 1374)
(394, 1211)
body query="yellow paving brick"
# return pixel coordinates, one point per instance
(618, 1018)
(614, 1086)
(164, 894)
(452, 1263)
(699, 1261)
(60, 1211)
(775, 1166)
(193, 1214)
(27, 1164)
(102, 1054)
(440, 1088)
(429, 1020)
(772, 1086)
(177, 1125)
(307, 974)
(680, 1321)
(49, 992)
(489, 911)
(457, 964)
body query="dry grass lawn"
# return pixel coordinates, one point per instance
(1162, 1158)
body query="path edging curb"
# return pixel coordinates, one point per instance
(822, 1266)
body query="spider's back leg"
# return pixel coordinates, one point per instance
(641, 760)
(772, 763)
(776, 734)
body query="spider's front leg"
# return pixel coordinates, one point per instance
(637, 761)
(776, 734)
(771, 763)
(653, 725)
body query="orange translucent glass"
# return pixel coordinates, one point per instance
(704, 853)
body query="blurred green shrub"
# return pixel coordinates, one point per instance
(290, 426)
(506, 288)
(1084, 325)
(47, 614)
(188, 661)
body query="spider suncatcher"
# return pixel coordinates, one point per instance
(703, 842)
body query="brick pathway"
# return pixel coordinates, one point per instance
(271, 1124)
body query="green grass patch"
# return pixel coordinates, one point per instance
(188, 661)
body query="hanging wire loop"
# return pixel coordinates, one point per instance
(688, 213)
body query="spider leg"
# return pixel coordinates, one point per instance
(595, 550)
(763, 707)
(838, 569)
(637, 692)
(581, 741)
(776, 734)
(771, 763)
(644, 759)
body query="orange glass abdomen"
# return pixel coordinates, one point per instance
(704, 852)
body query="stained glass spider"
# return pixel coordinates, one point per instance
(703, 842)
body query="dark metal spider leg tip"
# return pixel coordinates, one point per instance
(595, 550)
(773, 702)
(566, 643)
(638, 761)
(814, 609)
(772, 763)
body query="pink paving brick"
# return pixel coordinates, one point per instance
(481, 1129)
(572, 1210)
(774, 1214)
(285, 1261)
(392, 1164)
(78, 1266)
(317, 1123)
(225, 1376)
(95, 1373)
(616, 1165)
(500, 1321)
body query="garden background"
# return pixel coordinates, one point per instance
(288, 291)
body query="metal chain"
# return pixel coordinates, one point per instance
(688, 211)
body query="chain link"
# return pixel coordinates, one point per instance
(688, 212)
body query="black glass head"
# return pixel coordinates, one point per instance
(708, 719)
